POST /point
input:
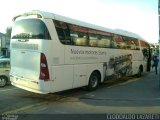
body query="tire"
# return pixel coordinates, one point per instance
(93, 81)
(3, 81)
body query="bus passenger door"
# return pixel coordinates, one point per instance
(80, 76)
(147, 57)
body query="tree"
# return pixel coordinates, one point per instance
(8, 32)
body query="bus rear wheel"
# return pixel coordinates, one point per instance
(93, 81)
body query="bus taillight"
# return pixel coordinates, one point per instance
(44, 73)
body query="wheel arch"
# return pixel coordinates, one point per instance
(141, 67)
(140, 71)
(94, 80)
(98, 68)
(99, 74)
(5, 77)
(3, 80)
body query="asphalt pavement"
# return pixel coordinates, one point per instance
(144, 91)
(134, 96)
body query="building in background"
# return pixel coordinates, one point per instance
(4, 45)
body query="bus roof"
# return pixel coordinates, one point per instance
(47, 15)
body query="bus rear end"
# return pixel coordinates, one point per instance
(30, 42)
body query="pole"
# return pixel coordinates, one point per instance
(159, 41)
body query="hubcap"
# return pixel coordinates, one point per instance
(2, 82)
(94, 81)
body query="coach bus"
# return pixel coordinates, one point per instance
(52, 53)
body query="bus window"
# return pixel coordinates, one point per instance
(131, 43)
(105, 41)
(119, 41)
(82, 39)
(93, 40)
(63, 32)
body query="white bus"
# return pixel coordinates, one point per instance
(51, 53)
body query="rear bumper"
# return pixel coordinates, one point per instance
(40, 87)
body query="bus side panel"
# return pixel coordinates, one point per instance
(135, 67)
(138, 60)
(62, 77)
(137, 56)
(80, 75)
(98, 67)
(55, 50)
(137, 64)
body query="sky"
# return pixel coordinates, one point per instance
(137, 16)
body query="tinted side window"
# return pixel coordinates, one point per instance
(120, 44)
(63, 32)
(131, 43)
(104, 41)
(30, 29)
(93, 40)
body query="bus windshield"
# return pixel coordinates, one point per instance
(30, 29)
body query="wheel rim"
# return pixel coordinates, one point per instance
(94, 81)
(2, 81)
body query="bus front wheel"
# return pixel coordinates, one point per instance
(93, 81)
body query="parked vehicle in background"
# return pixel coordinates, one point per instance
(4, 71)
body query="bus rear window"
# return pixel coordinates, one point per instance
(30, 29)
